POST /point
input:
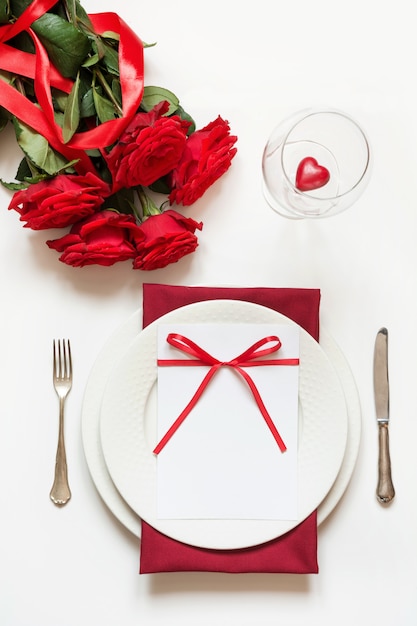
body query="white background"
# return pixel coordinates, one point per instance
(254, 64)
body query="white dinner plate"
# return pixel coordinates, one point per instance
(113, 350)
(128, 429)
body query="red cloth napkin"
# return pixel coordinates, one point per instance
(296, 551)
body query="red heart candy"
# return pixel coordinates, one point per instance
(310, 175)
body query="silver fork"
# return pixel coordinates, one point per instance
(62, 378)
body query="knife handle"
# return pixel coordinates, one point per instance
(385, 490)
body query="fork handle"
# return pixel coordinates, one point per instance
(60, 492)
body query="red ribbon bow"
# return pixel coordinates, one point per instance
(38, 67)
(246, 359)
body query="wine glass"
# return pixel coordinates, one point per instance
(315, 164)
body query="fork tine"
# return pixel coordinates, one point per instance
(64, 361)
(57, 358)
(60, 363)
(69, 371)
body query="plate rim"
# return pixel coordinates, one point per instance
(117, 342)
(223, 534)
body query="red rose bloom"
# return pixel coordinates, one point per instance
(102, 239)
(166, 238)
(207, 156)
(60, 201)
(149, 148)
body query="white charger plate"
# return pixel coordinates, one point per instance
(113, 350)
(128, 429)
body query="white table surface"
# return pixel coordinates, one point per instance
(254, 64)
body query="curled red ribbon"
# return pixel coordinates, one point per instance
(246, 359)
(38, 67)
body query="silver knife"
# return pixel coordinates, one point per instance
(385, 490)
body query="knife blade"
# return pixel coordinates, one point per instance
(385, 489)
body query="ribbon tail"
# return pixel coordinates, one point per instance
(263, 409)
(187, 409)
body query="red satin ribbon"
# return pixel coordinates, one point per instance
(38, 67)
(32, 12)
(246, 359)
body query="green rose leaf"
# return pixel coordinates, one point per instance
(92, 60)
(72, 112)
(187, 117)
(13, 186)
(67, 46)
(87, 108)
(104, 108)
(154, 95)
(59, 99)
(78, 15)
(27, 174)
(111, 60)
(23, 171)
(161, 186)
(103, 54)
(37, 149)
(122, 202)
(4, 114)
(117, 91)
(109, 34)
(4, 11)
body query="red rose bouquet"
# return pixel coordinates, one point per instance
(98, 144)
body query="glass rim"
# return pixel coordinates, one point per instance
(306, 113)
